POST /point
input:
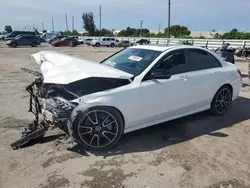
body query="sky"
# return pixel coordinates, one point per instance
(201, 15)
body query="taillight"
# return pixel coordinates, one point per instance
(238, 70)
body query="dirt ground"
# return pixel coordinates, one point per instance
(199, 151)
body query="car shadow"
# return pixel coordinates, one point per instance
(177, 131)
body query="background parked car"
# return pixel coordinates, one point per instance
(24, 40)
(123, 43)
(104, 42)
(48, 36)
(56, 38)
(66, 41)
(87, 41)
(13, 34)
(142, 42)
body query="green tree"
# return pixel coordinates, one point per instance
(104, 32)
(8, 29)
(132, 32)
(76, 33)
(88, 23)
(217, 36)
(235, 34)
(177, 31)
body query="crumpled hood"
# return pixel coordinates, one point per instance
(60, 68)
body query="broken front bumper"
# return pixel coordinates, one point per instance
(55, 111)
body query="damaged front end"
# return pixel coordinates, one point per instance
(51, 106)
(62, 80)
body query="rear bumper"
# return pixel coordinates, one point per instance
(236, 88)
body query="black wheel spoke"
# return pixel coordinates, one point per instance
(90, 130)
(92, 139)
(227, 95)
(95, 121)
(225, 104)
(103, 134)
(103, 122)
(109, 124)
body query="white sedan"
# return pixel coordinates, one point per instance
(96, 103)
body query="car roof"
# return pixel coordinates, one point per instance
(164, 47)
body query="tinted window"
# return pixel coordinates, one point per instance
(108, 39)
(174, 62)
(104, 39)
(200, 60)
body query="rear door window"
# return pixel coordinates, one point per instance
(200, 60)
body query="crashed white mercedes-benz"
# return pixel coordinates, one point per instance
(95, 103)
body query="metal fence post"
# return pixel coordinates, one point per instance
(244, 44)
(206, 45)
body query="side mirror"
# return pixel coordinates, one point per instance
(159, 74)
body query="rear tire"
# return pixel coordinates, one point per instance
(112, 45)
(97, 44)
(221, 101)
(98, 128)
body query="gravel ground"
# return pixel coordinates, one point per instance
(199, 151)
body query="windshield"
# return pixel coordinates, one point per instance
(132, 60)
(64, 38)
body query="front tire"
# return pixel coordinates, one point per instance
(98, 128)
(14, 45)
(34, 44)
(221, 101)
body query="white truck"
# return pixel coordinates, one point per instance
(107, 41)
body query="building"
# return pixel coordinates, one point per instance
(206, 34)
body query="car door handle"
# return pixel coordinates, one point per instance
(217, 72)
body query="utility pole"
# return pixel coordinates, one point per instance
(66, 21)
(42, 26)
(169, 6)
(53, 28)
(159, 30)
(100, 12)
(141, 28)
(72, 23)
